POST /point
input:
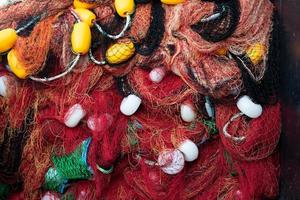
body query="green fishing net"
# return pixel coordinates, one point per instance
(69, 167)
(55, 182)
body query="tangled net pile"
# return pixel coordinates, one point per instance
(166, 102)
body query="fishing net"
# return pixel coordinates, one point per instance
(141, 22)
(204, 172)
(118, 187)
(84, 190)
(170, 91)
(155, 33)
(151, 183)
(261, 134)
(4, 190)
(12, 144)
(222, 25)
(263, 90)
(259, 179)
(68, 167)
(149, 133)
(32, 51)
(69, 138)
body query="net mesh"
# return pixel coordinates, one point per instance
(152, 40)
(68, 167)
(209, 51)
(261, 134)
(32, 51)
(221, 26)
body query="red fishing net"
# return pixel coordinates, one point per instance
(70, 138)
(261, 134)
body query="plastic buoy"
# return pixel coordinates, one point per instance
(156, 75)
(189, 150)
(130, 104)
(248, 107)
(187, 112)
(171, 161)
(3, 86)
(172, 2)
(74, 115)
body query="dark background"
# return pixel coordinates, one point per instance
(289, 12)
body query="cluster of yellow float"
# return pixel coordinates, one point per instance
(81, 35)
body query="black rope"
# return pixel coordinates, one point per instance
(27, 25)
(265, 91)
(220, 27)
(11, 147)
(141, 1)
(114, 26)
(155, 33)
(123, 86)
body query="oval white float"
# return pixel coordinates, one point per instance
(187, 112)
(156, 75)
(74, 115)
(130, 104)
(189, 150)
(248, 107)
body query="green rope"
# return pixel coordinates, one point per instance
(192, 125)
(105, 171)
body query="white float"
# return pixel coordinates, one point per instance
(187, 112)
(74, 115)
(171, 161)
(3, 86)
(156, 75)
(130, 104)
(189, 150)
(248, 107)
(209, 109)
(5, 3)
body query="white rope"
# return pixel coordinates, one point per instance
(104, 171)
(148, 162)
(103, 62)
(213, 16)
(75, 15)
(256, 79)
(72, 64)
(34, 20)
(225, 132)
(114, 37)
